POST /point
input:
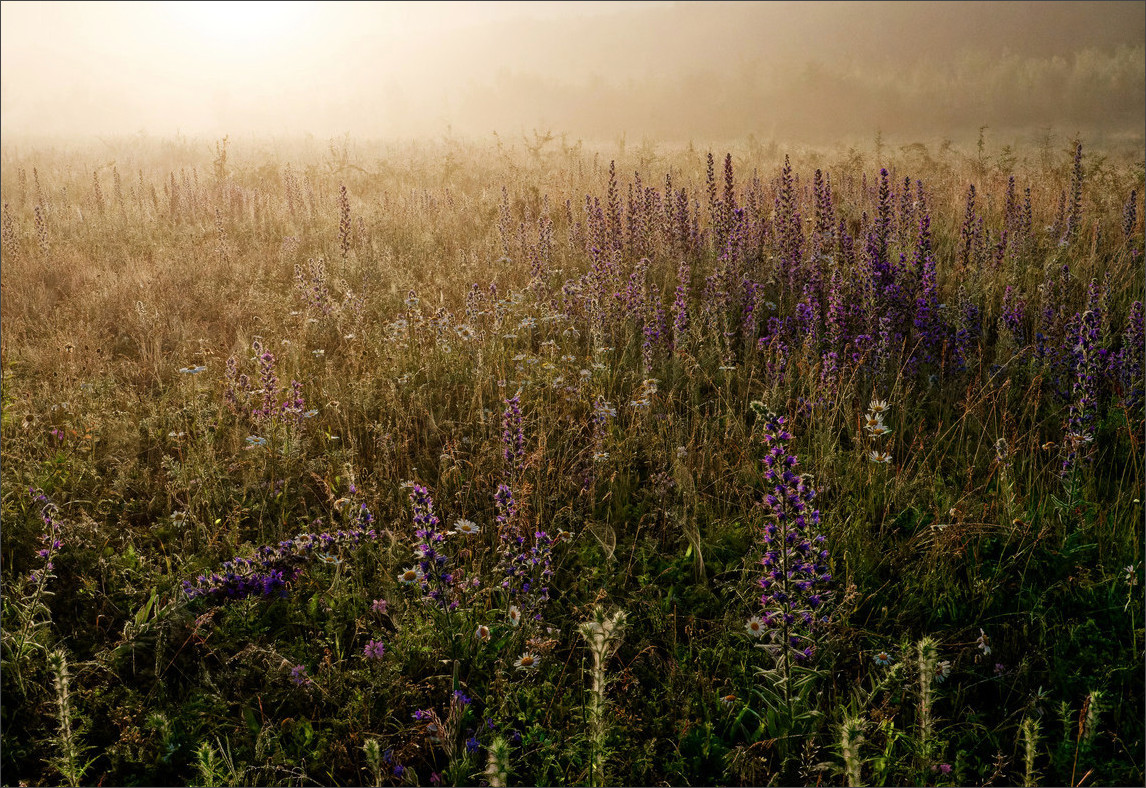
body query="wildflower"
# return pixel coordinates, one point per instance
(255, 440)
(466, 528)
(882, 658)
(318, 353)
(983, 644)
(379, 606)
(880, 457)
(310, 414)
(729, 699)
(943, 670)
(944, 768)
(878, 406)
(600, 456)
(298, 675)
(755, 626)
(795, 560)
(1131, 576)
(482, 633)
(472, 745)
(192, 370)
(466, 333)
(527, 661)
(879, 430)
(410, 576)
(374, 650)
(681, 452)
(514, 615)
(462, 698)
(872, 421)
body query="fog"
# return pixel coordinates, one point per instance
(671, 71)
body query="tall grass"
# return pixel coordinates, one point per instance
(344, 446)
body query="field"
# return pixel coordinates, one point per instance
(529, 462)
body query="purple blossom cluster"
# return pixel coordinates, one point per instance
(273, 567)
(433, 574)
(795, 559)
(311, 285)
(50, 538)
(268, 403)
(513, 435)
(526, 564)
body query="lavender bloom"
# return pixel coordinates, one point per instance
(527, 568)
(513, 435)
(268, 380)
(1083, 411)
(966, 331)
(1074, 208)
(795, 559)
(434, 579)
(374, 650)
(274, 566)
(50, 538)
(238, 386)
(298, 676)
(1012, 317)
(1130, 361)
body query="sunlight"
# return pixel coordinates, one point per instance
(239, 28)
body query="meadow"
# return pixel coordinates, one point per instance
(529, 462)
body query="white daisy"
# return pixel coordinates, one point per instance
(755, 626)
(527, 661)
(514, 615)
(466, 527)
(410, 576)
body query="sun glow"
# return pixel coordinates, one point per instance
(239, 28)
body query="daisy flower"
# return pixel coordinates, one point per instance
(410, 576)
(466, 528)
(527, 661)
(882, 658)
(878, 406)
(880, 457)
(755, 626)
(482, 633)
(879, 430)
(514, 615)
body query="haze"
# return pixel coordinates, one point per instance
(599, 70)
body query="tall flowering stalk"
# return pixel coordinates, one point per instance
(432, 573)
(1083, 410)
(513, 435)
(527, 568)
(1130, 360)
(795, 558)
(34, 613)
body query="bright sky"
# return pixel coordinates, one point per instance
(209, 67)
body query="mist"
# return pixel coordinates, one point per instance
(670, 71)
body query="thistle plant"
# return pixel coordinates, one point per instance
(851, 737)
(602, 634)
(1030, 731)
(69, 760)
